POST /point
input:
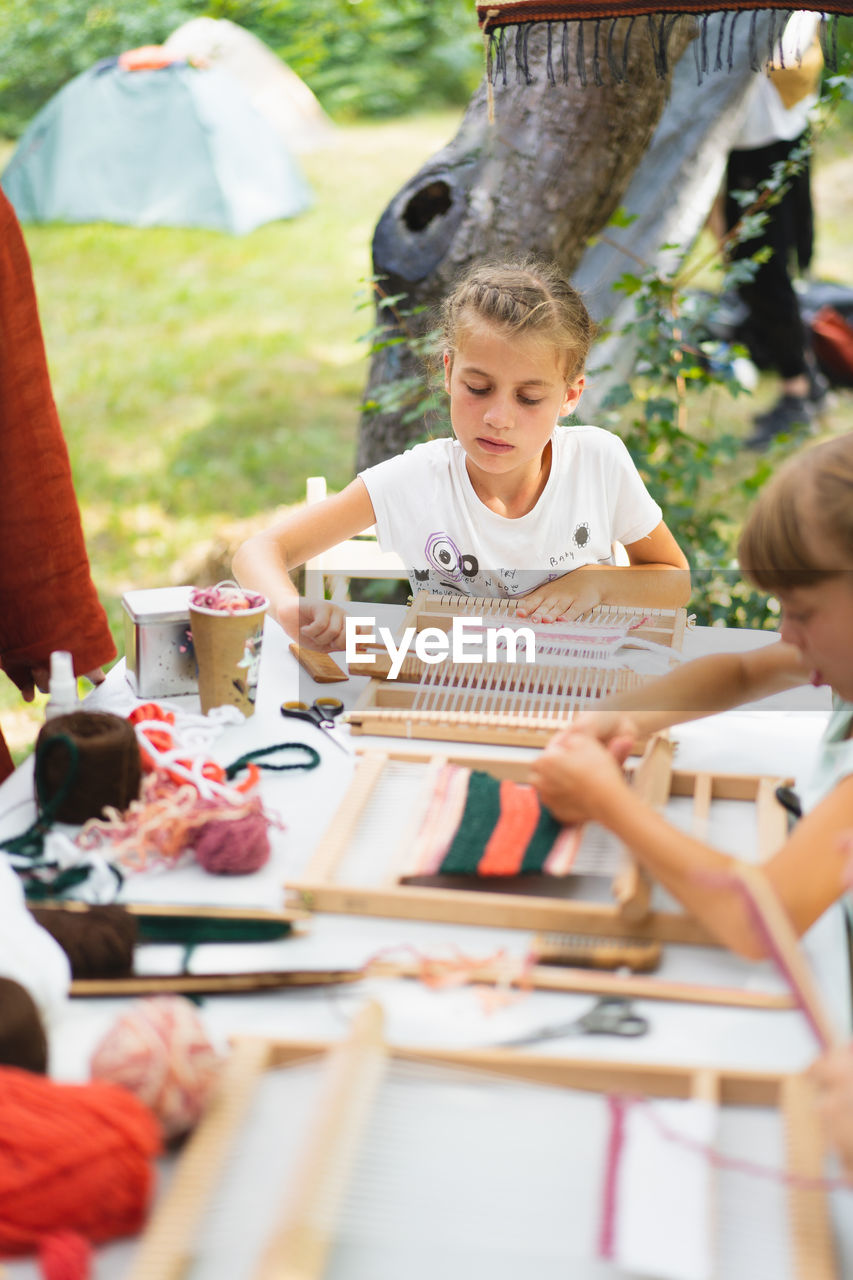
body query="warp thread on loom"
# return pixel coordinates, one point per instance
(478, 825)
(73, 1157)
(160, 1052)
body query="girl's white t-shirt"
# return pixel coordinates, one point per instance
(428, 512)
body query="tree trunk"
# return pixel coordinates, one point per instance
(686, 160)
(544, 177)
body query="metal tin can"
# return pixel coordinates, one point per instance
(159, 655)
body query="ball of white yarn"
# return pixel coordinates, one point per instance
(28, 954)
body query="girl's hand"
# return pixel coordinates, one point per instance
(833, 1076)
(578, 779)
(316, 624)
(562, 600)
(607, 727)
(28, 679)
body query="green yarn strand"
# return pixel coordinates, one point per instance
(313, 759)
(192, 931)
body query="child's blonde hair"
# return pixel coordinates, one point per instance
(530, 297)
(800, 530)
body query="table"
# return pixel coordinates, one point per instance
(772, 737)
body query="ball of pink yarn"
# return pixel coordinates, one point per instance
(159, 1050)
(233, 846)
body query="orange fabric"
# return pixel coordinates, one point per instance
(148, 57)
(504, 853)
(47, 598)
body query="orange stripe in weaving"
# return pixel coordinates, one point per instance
(505, 850)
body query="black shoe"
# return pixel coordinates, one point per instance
(786, 415)
(818, 389)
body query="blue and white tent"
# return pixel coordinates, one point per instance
(178, 145)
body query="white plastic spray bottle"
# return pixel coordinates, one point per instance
(62, 697)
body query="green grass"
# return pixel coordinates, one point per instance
(201, 377)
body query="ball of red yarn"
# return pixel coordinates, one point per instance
(159, 1050)
(233, 846)
(65, 1256)
(73, 1157)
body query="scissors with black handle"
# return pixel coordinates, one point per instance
(609, 1016)
(321, 712)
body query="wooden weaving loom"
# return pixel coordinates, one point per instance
(362, 863)
(514, 704)
(389, 1161)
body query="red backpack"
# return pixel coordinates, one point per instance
(832, 343)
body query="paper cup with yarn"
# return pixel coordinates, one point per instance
(227, 629)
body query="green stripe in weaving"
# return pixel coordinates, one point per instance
(479, 818)
(541, 844)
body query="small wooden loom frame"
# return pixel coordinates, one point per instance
(319, 889)
(298, 1249)
(462, 703)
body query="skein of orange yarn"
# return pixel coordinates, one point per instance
(73, 1157)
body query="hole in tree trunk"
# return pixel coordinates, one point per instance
(430, 202)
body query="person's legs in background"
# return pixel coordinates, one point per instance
(775, 333)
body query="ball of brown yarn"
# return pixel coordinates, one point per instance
(108, 770)
(99, 941)
(23, 1042)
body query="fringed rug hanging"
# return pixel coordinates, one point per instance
(584, 35)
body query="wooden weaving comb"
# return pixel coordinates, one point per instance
(320, 666)
(579, 951)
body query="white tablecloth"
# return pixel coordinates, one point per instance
(775, 737)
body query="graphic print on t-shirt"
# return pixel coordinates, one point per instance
(451, 571)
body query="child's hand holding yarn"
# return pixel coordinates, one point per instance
(612, 728)
(578, 779)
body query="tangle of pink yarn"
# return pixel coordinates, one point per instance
(226, 597)
(159, 829)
